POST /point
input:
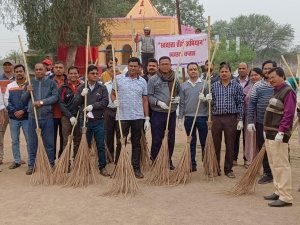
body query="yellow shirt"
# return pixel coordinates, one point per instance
(105, 77)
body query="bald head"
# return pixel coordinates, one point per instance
(243, 70)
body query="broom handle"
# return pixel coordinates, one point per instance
(290, 71)
(198, 105)
(29, 82)
(209, 66)
(173, 86)
(73, 127)
(86, 71)
(116, 91)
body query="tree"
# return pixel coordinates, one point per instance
(191, 11)
(259, 32)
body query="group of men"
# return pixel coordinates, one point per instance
(143, 101)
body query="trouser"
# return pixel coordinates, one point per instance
(135, 127)
(237, 145)
(96, 129)
(58, 130)
(228, 124)
(260, 142)
(281, 169)
(2, 132)
(15, 126)
(145, 57)
(111, 129)
(47, 132)
(158, 127)
(66, 131)
(201, 126)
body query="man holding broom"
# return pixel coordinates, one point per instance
(278, 124)
(192, 91)
(97, 101)
(45, 95)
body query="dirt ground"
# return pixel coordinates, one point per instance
(199, 202)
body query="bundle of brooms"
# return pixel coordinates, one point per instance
(247, 183)
(182, 173)
(84, 171)
(210, 163)
(159, 171)
(145, 161)
(123, 179)
(42, 171)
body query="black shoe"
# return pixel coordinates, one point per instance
(172, 167)
(279, 203)
(14, 166)
(194, 169)
(104, 172)
(265, 179)
(29, 171)
(138, 174)
(271, 197)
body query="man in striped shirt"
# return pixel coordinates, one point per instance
(260, 95)
(227, 110)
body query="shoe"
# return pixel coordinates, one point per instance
(279, 203)
(138, 174)
(271, 197)
(230, 175)
(14, 166)
(234, 163)
(29, 171)
(194, 169)
(265, 179)
(172, 167)
(104, 172)
(246, 164)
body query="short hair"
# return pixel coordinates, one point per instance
(134, 59)
(152, 60)
(244, 63)
(258, 71)
(274, 64)
(73, 68)
(192, 63)
(198, 30)
(210, 62)
(225, 65)
(279, 71)
(59, 62)
(164, 57)
(91, 68)
(111, 59)
(19, 65)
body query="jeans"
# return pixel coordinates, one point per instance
(96, 129)
(201, 126)
(2, 132)
(15, 126)
(47, 128)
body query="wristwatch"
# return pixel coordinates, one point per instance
(41, 102)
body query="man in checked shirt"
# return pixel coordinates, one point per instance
(227, 111)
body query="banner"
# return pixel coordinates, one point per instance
(195, 50)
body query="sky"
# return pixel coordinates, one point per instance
(282, 12)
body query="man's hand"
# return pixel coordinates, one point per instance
(240, 125)
(73, 121)
(201, 97)
(180, 124)
(89, 108)
(251, 127)
(147, 123)
(162, 105)
(84, 91)
(116, 103)
(19, 114)
(29, 88)
(175, 100)
(209, 97)
(279, 137)
(37, 104)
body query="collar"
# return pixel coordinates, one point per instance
(277, 88)
(127, 75)
(199, 80)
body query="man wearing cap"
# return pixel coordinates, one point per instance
(5, 78)
(48, 64)
(148, 47)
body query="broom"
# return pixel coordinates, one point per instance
(62, 167)
(145, 161)
(42, 169)
(83, 172)
(159, 171)
(291, 73)
(248, 181)
(182, 173)
(210, 163)
(124, 181)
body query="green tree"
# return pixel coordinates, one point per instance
(191, 11)
(259, 32)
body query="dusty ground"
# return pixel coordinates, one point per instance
(200, 202)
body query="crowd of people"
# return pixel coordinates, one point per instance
(258, 104)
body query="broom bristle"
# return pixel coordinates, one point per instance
(124, 182)
(94, 154)
(61, 171)
(248, 181)
(210, 163)
(83, 172)
(159, 172)
(145, 161)
(42, 170)
(182, 173)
